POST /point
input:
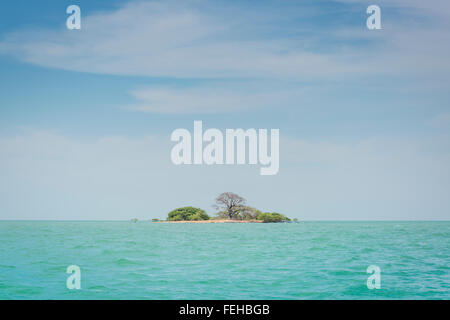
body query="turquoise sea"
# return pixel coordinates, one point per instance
(144, 260)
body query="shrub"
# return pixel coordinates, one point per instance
(248, 213)
(241, 213)
(267, 217)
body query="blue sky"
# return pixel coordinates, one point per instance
(86, 115)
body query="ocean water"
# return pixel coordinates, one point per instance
(309, 260)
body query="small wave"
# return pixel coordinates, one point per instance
(125, 262)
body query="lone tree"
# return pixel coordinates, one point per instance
(230, 202)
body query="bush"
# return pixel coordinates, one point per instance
(248, 213)
(268, 217)
(241, 213)
(187, 214)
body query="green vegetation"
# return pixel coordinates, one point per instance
(231, 207)
(272, 217)
(241, 213)
(187, 214)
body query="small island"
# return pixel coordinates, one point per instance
(231, 209)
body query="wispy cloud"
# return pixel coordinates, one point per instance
(195, 39)
(210, 99)
(189, 39)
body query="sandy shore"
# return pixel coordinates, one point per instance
(214, 221)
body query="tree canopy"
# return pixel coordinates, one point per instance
(187, 214)
(230, 203)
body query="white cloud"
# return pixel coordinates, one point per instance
(207, 99)
(164, 38)
(161, 39)
(198, 39)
